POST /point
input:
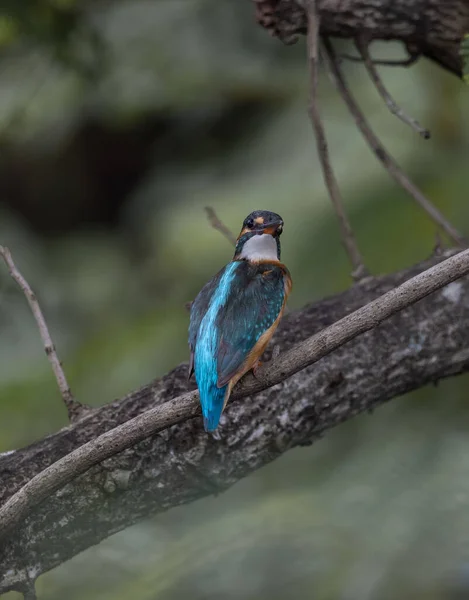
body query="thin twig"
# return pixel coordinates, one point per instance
(381, 153)
(438, 247)
(218, 225)
(405, 62)
(348, 239)
(362, 47)
(74, 408)
(186, 406)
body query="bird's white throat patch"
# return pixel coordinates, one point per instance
(260, 247)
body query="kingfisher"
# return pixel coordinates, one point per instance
(236, 313)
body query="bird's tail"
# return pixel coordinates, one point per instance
(213, 404)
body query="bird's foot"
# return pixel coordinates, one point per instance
(256, 368)
(258, 364)
(216, 435)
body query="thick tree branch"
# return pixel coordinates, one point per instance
(74, 408)
(419, 345)
(434, 28)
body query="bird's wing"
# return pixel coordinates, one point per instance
(198, 309)
(255, 301)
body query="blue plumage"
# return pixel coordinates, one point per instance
(236, 313)
(257, 298)
(228, 318)
(205, 358)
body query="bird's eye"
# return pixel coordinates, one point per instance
(250, 223)
(279, 229)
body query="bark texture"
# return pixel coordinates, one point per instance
(433, 28)
(420, 345)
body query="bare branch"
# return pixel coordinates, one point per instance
(383, 62)
(186, 406)
(219, 226)
(348, 239)
(381, 153)
(383, 92)
(74, 408)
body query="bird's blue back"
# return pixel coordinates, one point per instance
(227, 319)
(206, 350)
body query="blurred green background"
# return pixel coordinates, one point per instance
(119, 122)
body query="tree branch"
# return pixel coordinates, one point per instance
(219, 225)
(348, 239)
(405, 62)
(422, 344)
(29, 590)
(383, 92)
(381, 153)
(434, 28)
(74, 408)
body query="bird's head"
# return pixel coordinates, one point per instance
(259, 237)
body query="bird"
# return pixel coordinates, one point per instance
(236, 313)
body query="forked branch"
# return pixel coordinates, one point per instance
(396, 110)
(381, 153)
